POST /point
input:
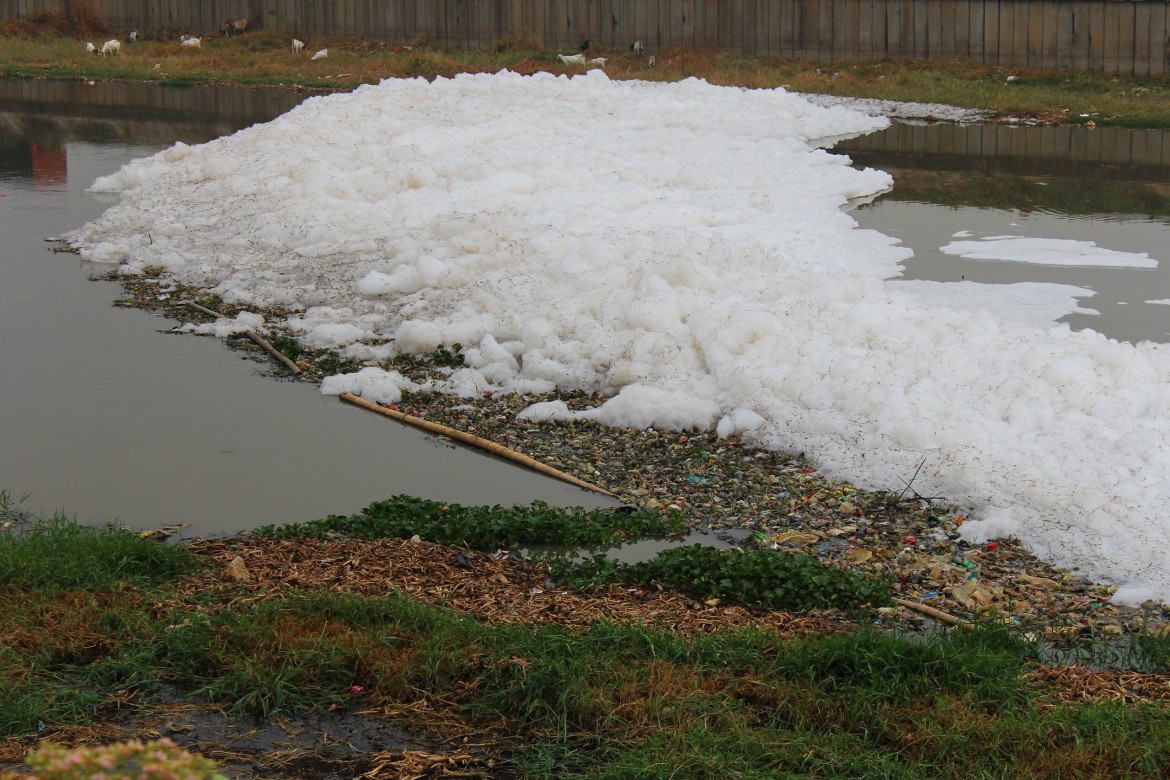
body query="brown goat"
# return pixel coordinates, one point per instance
(233, 27)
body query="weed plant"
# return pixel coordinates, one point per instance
(58, 553)
(763, 579)
(485, 528)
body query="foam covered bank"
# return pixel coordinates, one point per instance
(683, 249)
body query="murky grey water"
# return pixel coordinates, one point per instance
(1110, 186)
(105, 415)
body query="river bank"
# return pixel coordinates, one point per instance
(265, 59)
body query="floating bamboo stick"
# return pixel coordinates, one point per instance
(475, 441)
(256, 337)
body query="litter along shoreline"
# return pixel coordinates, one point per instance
(744, 496)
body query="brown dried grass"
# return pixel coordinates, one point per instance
(495, 591)
(87, 21)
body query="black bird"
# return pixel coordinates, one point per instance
(584, 47)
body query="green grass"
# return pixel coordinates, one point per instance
(611, 701)
(763, 579)
(58, 553)
(485, 527)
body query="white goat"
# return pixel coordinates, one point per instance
(320, 55)
(637, 48)
(193, 43)
(650, 64)
(133, 36)
(297, 46)
(571, 59)
(90, 48)
(598, 61)
(112, 46)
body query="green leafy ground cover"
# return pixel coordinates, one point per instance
(608, 701)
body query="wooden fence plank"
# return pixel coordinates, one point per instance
(688, 24)
(1158, 47)
(810, 21)
(1111, 56)
(779, 22)
(1050, 34)
(1021, 12)
(975, 19)
(1080, 34)
(1126, 37)
(1096, 36)
(949, 29)
(1035, 36)
(838, 46)
(865, 33)
(749, 33)
(853, 30)
(909, 14)
(934, 29)
(1141, 39)
(921, 29)
(1063, 39)
(824, 51)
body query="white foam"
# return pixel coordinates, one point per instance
(1047, 251)
(682, 248)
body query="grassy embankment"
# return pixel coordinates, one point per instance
(99, 621)
(265, 59)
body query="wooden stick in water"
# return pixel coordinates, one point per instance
(475, 441)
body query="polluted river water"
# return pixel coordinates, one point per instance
(109, 416)
(105, 415)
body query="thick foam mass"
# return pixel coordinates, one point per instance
(682, 248)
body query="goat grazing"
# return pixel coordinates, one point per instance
(598, 61)
(193, 43)
(111, 47)
(637, 48)
(571, 59)
(233, 27)
(320, 55)
(132, 37)
(297, 46)
(90, 48)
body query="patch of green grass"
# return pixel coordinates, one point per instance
(484, 527)
(764, 579)
(60, 553)
(613, 701)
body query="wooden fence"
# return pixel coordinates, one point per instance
(1113, 36)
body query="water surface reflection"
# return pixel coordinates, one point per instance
(106, 415)
(1110, 186)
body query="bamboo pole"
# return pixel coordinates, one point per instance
(475, 441)
(256, 337)
(938, 614)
